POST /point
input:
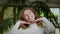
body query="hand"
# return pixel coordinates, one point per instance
(31, 21)
(24, 25)
(39, 20)
(35, 21)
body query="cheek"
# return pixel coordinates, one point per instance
(26, 17)
(29, 17)
(32, 16)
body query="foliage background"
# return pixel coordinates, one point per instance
(12, 10)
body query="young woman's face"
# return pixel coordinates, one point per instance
(29, 15)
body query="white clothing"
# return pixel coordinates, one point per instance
(34, 28)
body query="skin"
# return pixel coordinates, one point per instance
(29, 17)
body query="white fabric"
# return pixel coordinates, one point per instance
(34, 28)
(49, 27)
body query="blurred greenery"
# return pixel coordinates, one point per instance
(42, 9)
(5, 24)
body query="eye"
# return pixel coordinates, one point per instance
(29, 12)
(26, 15)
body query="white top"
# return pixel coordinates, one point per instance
(34, 28)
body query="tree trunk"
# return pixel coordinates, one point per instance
(1, 32)
(1, 18)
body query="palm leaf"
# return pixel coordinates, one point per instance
(5, 24)
(41, 7)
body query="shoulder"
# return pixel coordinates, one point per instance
(19, 22)
(43, 18)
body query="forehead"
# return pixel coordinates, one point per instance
(27, 11)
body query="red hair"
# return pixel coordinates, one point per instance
(21, 15)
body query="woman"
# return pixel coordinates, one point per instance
(31, 23)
